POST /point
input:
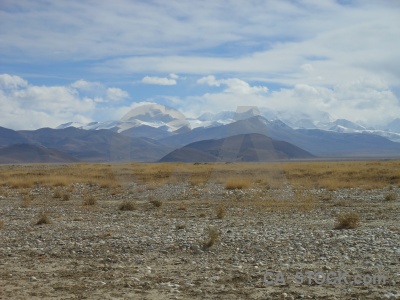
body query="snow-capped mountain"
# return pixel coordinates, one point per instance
(159, 121)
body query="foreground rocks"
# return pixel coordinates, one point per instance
(100, 252)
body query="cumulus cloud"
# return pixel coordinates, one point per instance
(234, 85)
(27, 106)
(158, 80)
(11, 82)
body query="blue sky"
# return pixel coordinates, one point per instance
(91, 60)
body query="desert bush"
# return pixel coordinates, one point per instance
(26, 201)
(127, 205)
(89, 200)
(156, 203)
(43, 219)
(57, 194)
(182, 206)
(213, 236)
(180, 226)
(237, 184)
(349, 220)
(1, 224)
(220, 211)
(390, 197)
(66, 197)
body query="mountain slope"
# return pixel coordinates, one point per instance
(28, 153)
(98, 145)
(316, 141)
(9, 137)
(244, 147)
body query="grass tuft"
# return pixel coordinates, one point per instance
(349, 220)
(156, 203)
(237, 184)
(390, 197)
(26, 201)
(213, 237)
(43, 219)
(1, 224)
(127, 205)
(89, 200)
(221, 212)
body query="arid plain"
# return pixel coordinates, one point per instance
(201, 231)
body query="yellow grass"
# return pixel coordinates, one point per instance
(330, 175)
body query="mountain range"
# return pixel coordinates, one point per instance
(155, 132)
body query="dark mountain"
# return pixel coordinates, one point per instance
(316, 141)
(244, 148)
(28, 153)
(9, 137)
(98, 145)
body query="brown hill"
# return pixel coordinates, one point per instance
(243, 147)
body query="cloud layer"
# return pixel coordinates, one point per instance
(337, 56)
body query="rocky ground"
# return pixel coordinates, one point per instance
(101, 252)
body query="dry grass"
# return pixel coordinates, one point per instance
(127, 205)
(237, 183)
(26, 201)
(391, 197)
(220, 211)
(1, 224)
(57, 194)
(329, 175)
(43, 218)
(66, 197)
(213, 237)
(349, 220)
(89, 200)
(156, 203)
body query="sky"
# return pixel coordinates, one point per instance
(89, 60)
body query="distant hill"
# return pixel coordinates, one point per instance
(28, 153)
(244, 148)
(322, 143)
(9, 137)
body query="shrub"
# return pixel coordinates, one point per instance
(57, 194)
(182, 206)
(347, 220)
(26, 201)
(213, 236)
(156, 203)
(390, 197)
(65, 197)
(89, 200)
(127, 205)
(1, 224)
(180, 226)
(237, 184)
(220, 211)
(43, 219)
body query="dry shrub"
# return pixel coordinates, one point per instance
(66, 197)
(156, 203)
(43, 219)
(349, 220)
(213, 237)
(127, 205)
(220, 211)
(390, 197)
(1, 224)
(237, 184)
(26, 201)
(89, 200)
(180, 226)
(182, 206)
(57, 194)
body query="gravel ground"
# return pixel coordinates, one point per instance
(101, 252)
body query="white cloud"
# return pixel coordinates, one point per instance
(234, 85)
(173, 76)
(26, 106)
(116, 94)
(11, 82)
(158, 80)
